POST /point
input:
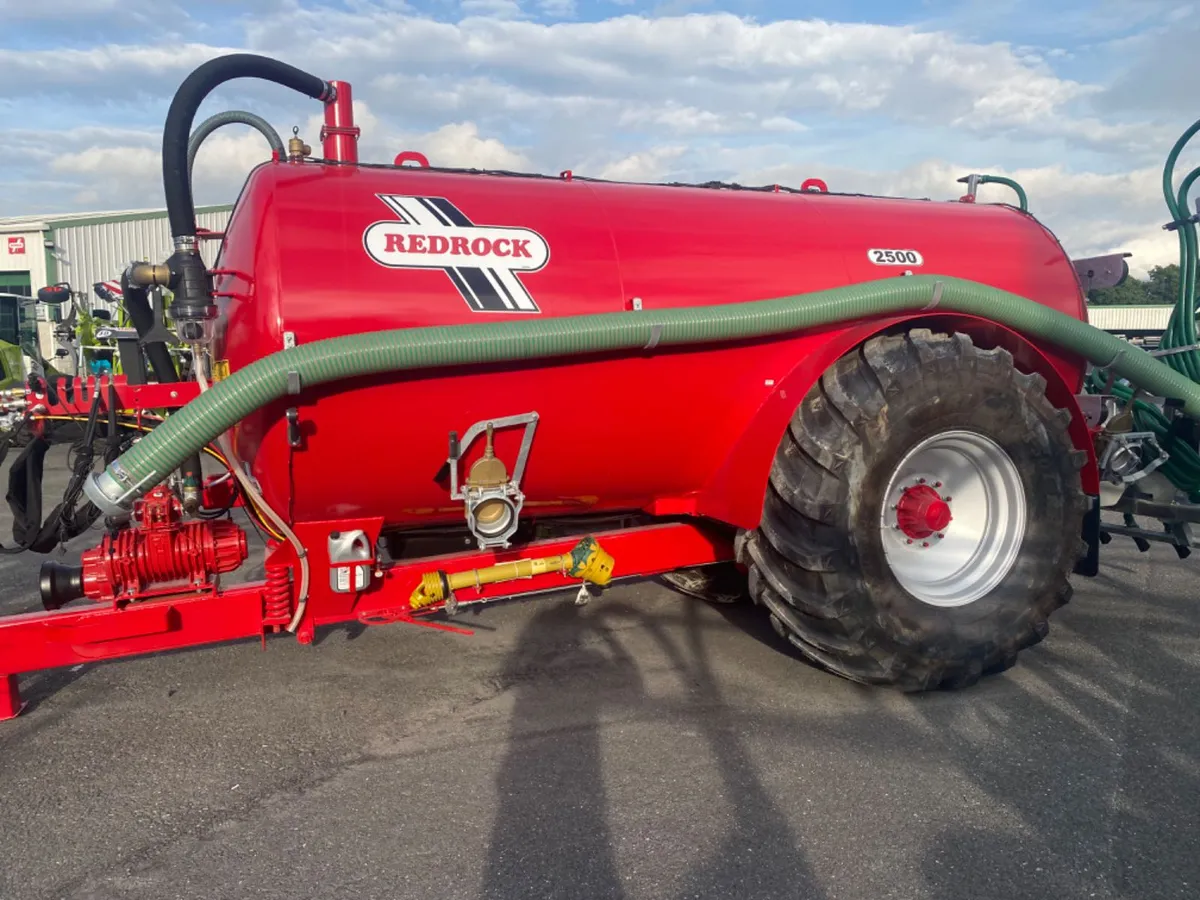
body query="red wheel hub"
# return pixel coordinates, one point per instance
(922, 512)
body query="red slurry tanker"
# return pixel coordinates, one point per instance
(434, 387)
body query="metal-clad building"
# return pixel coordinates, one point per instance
(93, 248)
(1137, 324)
(84, 249)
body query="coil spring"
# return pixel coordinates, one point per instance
(277, 597)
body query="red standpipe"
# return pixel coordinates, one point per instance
(339, 135)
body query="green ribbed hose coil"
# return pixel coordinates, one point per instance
(373, 353)
(1182, 469)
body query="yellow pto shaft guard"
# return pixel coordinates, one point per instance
(587, 561)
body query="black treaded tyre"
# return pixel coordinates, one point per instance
(865, 559)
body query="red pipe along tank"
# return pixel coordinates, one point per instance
(319, 251)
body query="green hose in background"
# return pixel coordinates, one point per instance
(153, 457)
(1183, 467)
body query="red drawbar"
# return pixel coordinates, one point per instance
(158, 617)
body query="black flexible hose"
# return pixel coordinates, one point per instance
(231, 117)
(196, 87)
(6, 443)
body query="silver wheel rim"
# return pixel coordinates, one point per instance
(969, 557)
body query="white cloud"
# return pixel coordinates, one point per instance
(136, 162)
(563, 9)
(698, 96)
(129, 174)
(43, 70)
(714, 63)
(1090, 213)
(648, 165)
(13, 11)
(496, 8)
(461, 145)
(1162, 78)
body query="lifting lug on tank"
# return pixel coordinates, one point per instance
(492, 500)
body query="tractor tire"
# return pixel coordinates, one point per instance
(866, 560)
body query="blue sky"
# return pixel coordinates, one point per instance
(1079, 100)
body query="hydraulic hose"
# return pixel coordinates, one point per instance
(216, 410)
(259, 501)
(181, 211)
(230, 117)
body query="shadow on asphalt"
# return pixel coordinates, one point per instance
(1032, 741)
(38, 687)
(1085, 753)
(524, 849)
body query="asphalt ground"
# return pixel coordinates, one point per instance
(645, 746)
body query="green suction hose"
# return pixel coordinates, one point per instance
(216, 410)
(1183, 467)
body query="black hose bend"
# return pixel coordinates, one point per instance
(196, 87)
(231, 117)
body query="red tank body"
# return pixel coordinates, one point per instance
(320, 251)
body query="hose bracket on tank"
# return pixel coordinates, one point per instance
(935, 299)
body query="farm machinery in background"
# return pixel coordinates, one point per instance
(24, 368)
(887, 419)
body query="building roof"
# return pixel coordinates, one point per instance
(43, 221)
(1121, 318)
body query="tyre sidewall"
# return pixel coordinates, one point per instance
(1035, 444)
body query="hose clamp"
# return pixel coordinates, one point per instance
(105, 493)
(1176, 224)
(186, 243)
(936, 299)
(655, 335)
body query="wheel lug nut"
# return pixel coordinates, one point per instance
(937, 484)
(920, 481)
(947, 499)
(910, 540)
(940, 536)
(925, 543)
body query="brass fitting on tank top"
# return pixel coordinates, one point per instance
(297, 149)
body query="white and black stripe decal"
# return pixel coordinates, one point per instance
(485, 289)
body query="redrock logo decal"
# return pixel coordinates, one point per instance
(481, 260)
